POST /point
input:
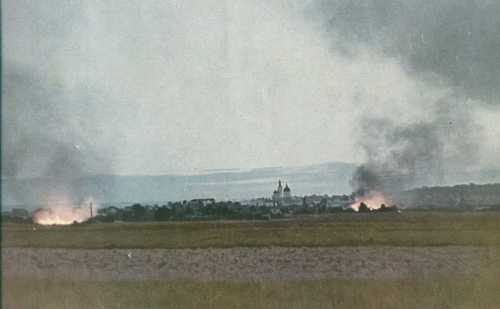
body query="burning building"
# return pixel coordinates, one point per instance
(64, 214)
(373, 201)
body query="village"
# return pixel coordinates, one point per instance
(280, 204)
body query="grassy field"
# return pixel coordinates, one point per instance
(439, 293)
(406, 229)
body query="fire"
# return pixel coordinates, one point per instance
(373, 201)
(62, 213)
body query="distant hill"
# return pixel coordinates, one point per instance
(234, 184)
(459, 196)
(238, 184)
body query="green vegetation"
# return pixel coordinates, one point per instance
(406, 229)
(477, 293)
(389, 229)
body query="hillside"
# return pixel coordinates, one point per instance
(459, 196)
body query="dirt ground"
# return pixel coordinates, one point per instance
(246, 264)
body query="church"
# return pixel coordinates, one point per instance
(281, 195)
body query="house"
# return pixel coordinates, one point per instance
(202, 202)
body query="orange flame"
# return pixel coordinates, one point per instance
(61, 213)
(373, 201)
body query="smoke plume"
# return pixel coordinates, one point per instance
(427, 152)
(447, 45)
(39, 144)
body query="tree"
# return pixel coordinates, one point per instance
(138, 211)
(383, 207)
(163, 213)
(363, 207)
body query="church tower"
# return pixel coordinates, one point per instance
(287, 193)
(278, 194)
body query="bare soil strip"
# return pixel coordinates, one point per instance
(246, 264)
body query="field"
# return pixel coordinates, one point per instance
(440, 293)
(406, 229)
(408, 260)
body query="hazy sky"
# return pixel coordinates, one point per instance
(151, 87)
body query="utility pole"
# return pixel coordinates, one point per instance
(90, 209)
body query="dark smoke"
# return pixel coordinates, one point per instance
(426, 152)
(447, 44)
(39, 144)
(399, 157)
(455, 39)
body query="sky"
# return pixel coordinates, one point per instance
(156, 87)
